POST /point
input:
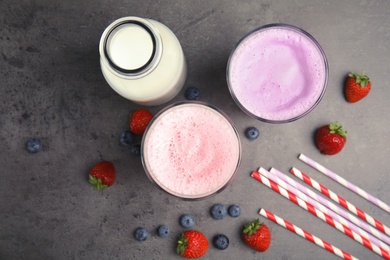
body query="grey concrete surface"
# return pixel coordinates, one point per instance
(51, 87)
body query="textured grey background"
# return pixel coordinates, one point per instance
(51, 87)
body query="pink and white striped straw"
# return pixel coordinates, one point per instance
(308, 236)
(344, 182)
(323, 216)
(343, 202)
(328, 207)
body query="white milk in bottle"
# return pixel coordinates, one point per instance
(142, 60)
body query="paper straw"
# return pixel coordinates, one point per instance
(340, 200)
(323, 205)
(308, 236)
(344, 182)
(323, 216)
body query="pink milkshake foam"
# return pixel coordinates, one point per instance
(277, 73)
(191, 150)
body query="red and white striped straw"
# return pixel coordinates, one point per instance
(308, 236)
(323, 216)
(343, 202)
(337, 213)
(344, 182)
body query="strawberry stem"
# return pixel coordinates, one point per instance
(361, 79)
(336, 128)
(252, 227)
(181, 245)
(97, 183)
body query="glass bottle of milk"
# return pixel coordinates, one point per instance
(142, 60)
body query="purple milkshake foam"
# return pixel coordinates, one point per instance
(277, 73)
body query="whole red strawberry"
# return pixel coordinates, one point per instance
(257, 235)
(357, 87)
(330, 139)
(192, 244)
(102, 175)
(139, 120)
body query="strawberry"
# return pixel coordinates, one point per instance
(357, 87)
(330, 139)
(102, 175)
(139, 120)
(192, 244)
(257, 235)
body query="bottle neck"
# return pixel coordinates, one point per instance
(131, 47)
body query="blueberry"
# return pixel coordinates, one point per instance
(218, 211)
(221, 241)
(234, 211)
(126, 138)
(141, 234)
(163, 231)
(252, 133)
(135, 150)
(187, 220)
(192, 93)
(34, 145)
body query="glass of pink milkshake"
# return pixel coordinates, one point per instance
(277, 73)
(191, 150)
